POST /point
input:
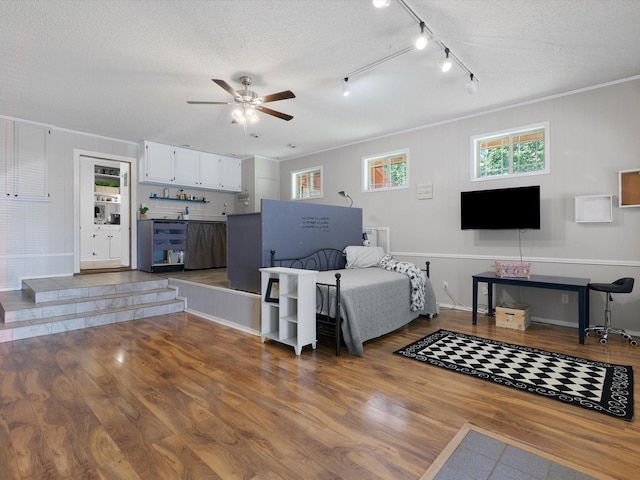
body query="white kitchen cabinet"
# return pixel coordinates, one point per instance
(260, 180)
(177, 166)
(107, 242)
(230, 174)
(186, 167)
(288, 312)
(23, 161)
(209, 166)
(6, 157)
(156, 163)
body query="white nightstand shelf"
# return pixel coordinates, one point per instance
(288, 307)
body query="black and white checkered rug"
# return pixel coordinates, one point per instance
(603, 387)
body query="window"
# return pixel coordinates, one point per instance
(386, 172)
(306, 183)
(516, 152)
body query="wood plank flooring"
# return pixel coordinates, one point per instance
(177, 397)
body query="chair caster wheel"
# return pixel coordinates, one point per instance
(603, 341)
(626, 336)
(587, 333)
(633, 342)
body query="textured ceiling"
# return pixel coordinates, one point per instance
(125, 69)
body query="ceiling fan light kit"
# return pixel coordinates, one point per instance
(420, 43)
(248, 102)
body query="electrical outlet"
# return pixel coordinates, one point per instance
(445, 285)
(485, 290)
(565, 298)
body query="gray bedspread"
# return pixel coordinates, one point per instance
(374, 302)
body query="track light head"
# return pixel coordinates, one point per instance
(422, 39)
(445, 62)
(472, 84)
(381, 3)
(346, 91)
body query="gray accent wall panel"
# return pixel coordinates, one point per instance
(292, 229)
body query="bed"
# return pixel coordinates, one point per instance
(371, 300)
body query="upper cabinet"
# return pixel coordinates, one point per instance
(230, 171)
(157, 163)
(167, 165)
(185, 167)
(23, 161)
(209, 169)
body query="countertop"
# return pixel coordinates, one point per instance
(172, 220)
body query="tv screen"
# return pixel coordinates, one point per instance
(501, 209)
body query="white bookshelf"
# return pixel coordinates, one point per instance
(289, 317)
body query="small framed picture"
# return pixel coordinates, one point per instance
(273, 291)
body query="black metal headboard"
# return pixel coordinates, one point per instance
(321, 260)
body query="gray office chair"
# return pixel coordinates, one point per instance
(622, 285)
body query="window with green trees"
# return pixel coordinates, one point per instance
(385, 172)
(509, 153)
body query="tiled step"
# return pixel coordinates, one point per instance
(19, 310)
(51, 305)
(68, 288)
(63, 323)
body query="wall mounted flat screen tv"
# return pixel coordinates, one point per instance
(501, 209)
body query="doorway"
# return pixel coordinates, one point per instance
(104, 213)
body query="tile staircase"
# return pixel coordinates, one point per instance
(53, 305)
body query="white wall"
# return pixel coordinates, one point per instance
(593, 135)
(37, 238)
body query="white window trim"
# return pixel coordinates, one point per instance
(365, 170)
(511, 131)
(305, 170)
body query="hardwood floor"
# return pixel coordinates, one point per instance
(177, 397)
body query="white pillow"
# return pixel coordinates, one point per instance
(363, 257)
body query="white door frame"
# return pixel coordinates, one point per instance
(133, 182)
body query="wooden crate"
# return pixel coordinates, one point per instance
(513, 315)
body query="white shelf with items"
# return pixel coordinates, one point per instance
(629, 188)
(106, 198)
(594, 208)
(288, 306)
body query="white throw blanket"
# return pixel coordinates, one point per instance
(416, 277)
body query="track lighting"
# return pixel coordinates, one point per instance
(426, 35)
(345, 87)
(422, 39)
(445, 62)
(472, 84)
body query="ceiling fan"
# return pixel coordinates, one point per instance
(248, 102)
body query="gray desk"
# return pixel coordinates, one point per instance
(580, 285)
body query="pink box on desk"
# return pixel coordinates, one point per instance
(513, 269)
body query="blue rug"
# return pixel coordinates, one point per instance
(602, 387)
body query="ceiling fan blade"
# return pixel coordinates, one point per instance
(268, 111)
(226, 86)
(194, 102)
(278, 96)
